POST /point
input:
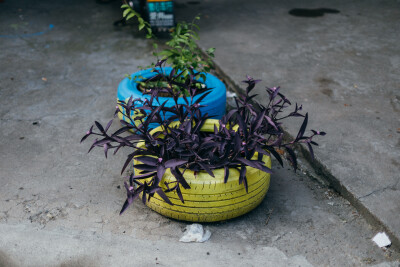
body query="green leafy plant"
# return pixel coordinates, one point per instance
(130, 13)
(182, 52)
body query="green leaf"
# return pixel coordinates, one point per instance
(131, 15)
(141, 26)
(185, 73)
(126, 12)
(125, 6)
(166, 53)
(155, 46)
(195, 26)
(210, 50)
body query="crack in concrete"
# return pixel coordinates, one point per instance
(394, 187)
(375, 191)
(42, 117)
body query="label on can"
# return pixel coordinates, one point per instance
(161, 13)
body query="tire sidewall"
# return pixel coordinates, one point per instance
(214, 103)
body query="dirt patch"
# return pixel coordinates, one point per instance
(5, 260)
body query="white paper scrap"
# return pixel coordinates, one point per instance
(230, 94)
(195, 233)
(382, 240)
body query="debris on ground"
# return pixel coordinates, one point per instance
(230, 94)
(368, 260)
(195, 233)
(382, 240)
(276, 238)
(269, 215)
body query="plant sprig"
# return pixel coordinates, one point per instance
(130, 13)
(182, 52)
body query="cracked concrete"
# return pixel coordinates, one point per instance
(59, 206)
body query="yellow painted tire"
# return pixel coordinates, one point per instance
(209, 199)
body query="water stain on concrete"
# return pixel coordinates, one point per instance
(311, 13)
(325, 85)
(5, 260)
(81, 261)
(325, 81)
(327, 91)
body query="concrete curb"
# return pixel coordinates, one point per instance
(324, 174)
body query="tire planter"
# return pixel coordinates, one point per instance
(209, 199)
(215, 102)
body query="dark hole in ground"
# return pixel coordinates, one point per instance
(312, 13)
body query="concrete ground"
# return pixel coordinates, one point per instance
(59, 206)
(344, 68)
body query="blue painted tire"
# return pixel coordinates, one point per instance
(215, 102)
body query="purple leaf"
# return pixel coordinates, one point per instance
(124, 207)
(226, 174)
(145, 167)
(258, 120)
(128, 160)
(318, 132)
(172, 163)
(179, 177)
(254, 164)
(102, 142)
(144, 197)
(122, 130)
(242, 174)
(161, 193)
(246, 186)
(276, 155)
(129, 105)
(242, 125)
(108, 125)
(271, 122)
(98, 125)
(178, 191)
(247, 162)
(147, 160)
(84, 137)
(87, 134)
(160, 173)
(205, 167)
(311, 150)
(142, 176)
(302, 128)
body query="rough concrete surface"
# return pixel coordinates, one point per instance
(59, 206)
(345, 70)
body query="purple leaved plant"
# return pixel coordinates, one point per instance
(240, 140)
